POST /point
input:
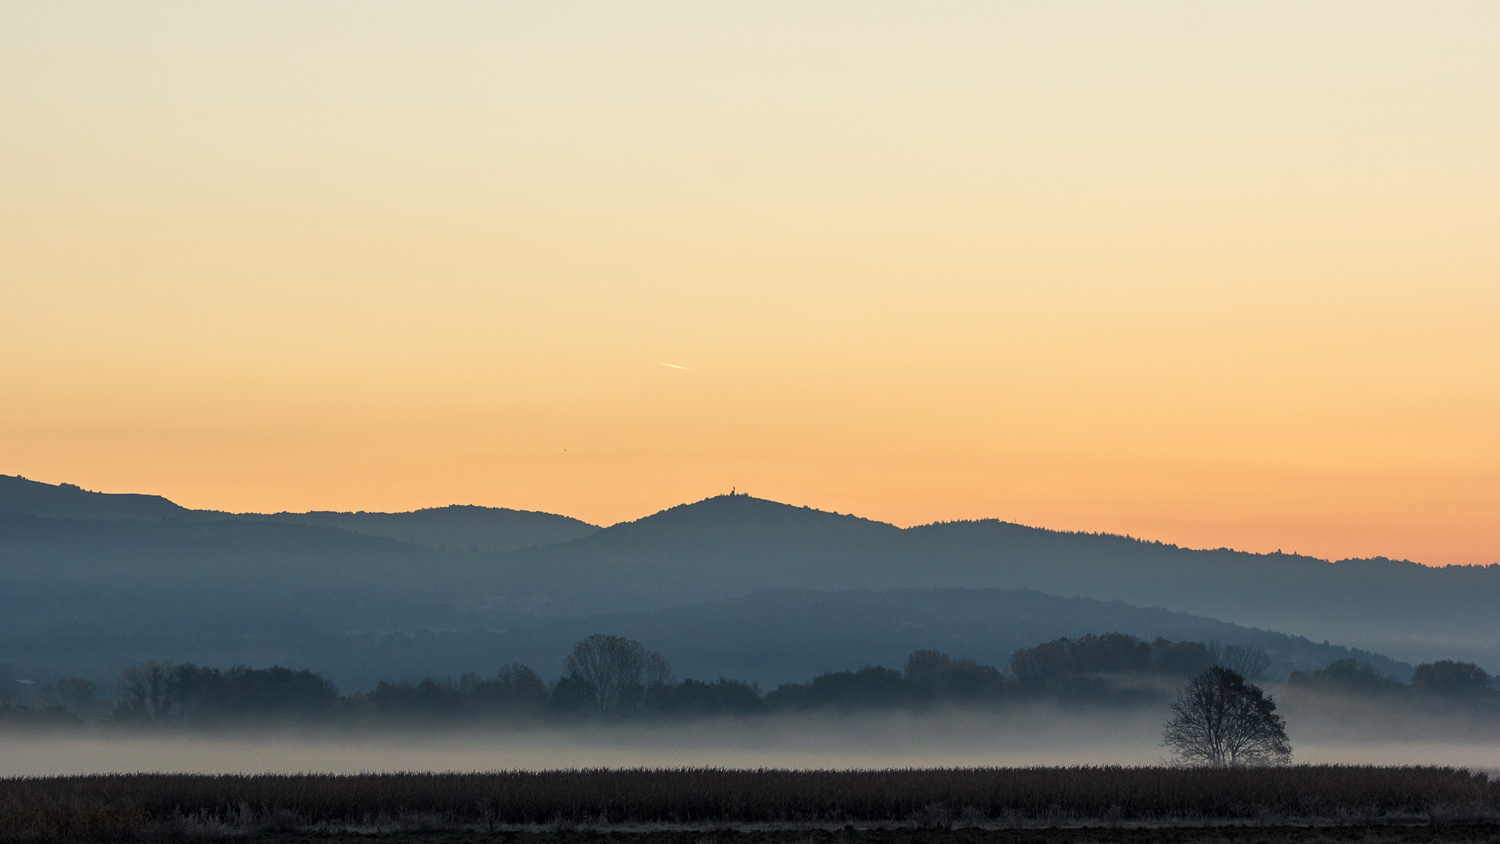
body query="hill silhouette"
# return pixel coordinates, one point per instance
(731, 545)
(70, 501)
(458, 526)
(263, 576)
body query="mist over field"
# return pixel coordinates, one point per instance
(954, 738)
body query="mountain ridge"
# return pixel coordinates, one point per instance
(454, 526)
(728, 546)
(163, 507)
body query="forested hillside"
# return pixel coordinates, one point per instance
(731, 545)
(141, 578)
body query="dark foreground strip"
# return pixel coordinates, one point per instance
(1357, 834)
(145, 806)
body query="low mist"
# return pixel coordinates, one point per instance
(824, 741)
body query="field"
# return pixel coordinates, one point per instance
(971, 835)
(723, 806)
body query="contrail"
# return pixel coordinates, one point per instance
(675, 366)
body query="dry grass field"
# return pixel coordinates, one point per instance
(1156, 834)
(714, 806)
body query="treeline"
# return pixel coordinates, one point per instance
(613, 678)
(1445, 679)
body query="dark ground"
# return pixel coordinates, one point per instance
(723, 806)
(1423, 834)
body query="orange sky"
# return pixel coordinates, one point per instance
(1207, 273)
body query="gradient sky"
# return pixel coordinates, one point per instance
(1216, 274)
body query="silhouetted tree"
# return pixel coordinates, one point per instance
(428, 699)
(515, 689)
(1348, 675)
(77, 695)
(242, 694)
(146, 692)
(871, 686)
(933, 676)
(1250, 663)
(692, 698)
(1447, 677)
(619, 671)
(1111, 653)
(1221, 720)
(158, 692)
(1085, 667)
(571, 696)
(1180, 659)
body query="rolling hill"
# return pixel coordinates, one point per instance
(456, 527)
(123, 566)
(731, 545)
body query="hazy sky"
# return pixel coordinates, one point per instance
(1211, 273)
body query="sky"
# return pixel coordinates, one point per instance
(1218, 274)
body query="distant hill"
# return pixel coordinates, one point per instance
(68, 501)
(232, 575)
(217, 575)
(458, 527)
(728, 546)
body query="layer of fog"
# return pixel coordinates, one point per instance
(806, 742)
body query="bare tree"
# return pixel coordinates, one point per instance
(148, 691)
(75, 694)
(1250, 663)
(1221, 720)
(616, 669)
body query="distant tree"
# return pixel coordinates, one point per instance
(521, 680)
(1348, 675)
(695, 699)
(155, 691)
(515, 688)
(571, 696)
(148, 691)
(1250, 663)
(77, 695)
(1110, 653)
(1041, 662)
(427, 700)
(1446, 677)
(1086, 667)
(243, 693)
(873, 686)
(1222, 721)
(1180, 659)
(619, 671)
(934, 676)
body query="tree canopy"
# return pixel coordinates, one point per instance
(616, 671)
(1222, 721)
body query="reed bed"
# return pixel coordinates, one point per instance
(143, 805)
